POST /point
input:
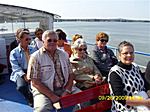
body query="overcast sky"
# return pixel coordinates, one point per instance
(127, 9)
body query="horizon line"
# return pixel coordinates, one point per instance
(106, 19)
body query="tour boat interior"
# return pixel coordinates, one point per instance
(10, 99)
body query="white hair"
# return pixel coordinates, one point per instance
(49, 33)
(78, 43)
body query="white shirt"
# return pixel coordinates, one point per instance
(37, 43)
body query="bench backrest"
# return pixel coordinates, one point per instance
(84, 96)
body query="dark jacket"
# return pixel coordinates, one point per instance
(2, 67)
(147, 75)
(104, 59)
(13, 45)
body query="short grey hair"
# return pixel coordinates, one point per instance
(49, 33)
(124, 43)
(78, 43)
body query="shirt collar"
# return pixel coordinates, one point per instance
(43, 50)
(21, 49)
(37, 39)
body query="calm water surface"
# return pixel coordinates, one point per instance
(136, 32)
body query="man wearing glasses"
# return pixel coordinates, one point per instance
(50, 74)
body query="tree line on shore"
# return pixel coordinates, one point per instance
(99, 20)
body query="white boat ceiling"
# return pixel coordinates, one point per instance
(9, 13)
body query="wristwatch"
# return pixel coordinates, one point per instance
(68, 91)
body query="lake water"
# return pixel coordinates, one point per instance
(137, 33)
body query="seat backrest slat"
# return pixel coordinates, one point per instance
(84, 96)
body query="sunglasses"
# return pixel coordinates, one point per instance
(39, 33)
(103, 40)
(27, 39)
(82, 49)
(52, 40)
(126, 53)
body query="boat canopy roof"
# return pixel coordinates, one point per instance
(11, 13)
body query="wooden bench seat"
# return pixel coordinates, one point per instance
(87, 95)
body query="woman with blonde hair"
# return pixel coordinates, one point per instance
(75, 37)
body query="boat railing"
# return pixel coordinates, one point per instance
(136, 52)
(10, 37)
(115, 51)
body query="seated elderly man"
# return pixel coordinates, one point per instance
(50, 74)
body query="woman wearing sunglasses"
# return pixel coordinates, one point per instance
(104, 57)
(86, 73)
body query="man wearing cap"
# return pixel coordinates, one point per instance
(19, 58)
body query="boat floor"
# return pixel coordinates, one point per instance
(10, 99)
(13, 101)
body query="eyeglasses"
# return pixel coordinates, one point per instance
(84, 49)
(39, 33)
(52, 40)
(126, 53)
(103, 40)
(27, 39)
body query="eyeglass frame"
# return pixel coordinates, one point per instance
(27, 39)
(103, 40)
(80, 49)
(52, 40)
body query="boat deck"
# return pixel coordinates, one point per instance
(10, 99)
(13, 101)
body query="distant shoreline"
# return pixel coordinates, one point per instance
(99, 20)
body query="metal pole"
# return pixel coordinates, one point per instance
(12, 25)
(24, 24)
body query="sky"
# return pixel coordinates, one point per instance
(91, 9)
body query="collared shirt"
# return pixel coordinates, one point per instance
(19, 61)
(37, 43)
(59, 78)
(27, 54)
(42, 67)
